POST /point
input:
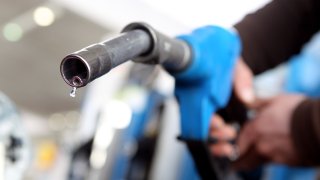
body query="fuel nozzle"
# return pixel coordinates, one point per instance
(138, 42)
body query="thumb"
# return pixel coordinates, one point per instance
(243, 83)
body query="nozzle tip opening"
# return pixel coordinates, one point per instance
(75, 71)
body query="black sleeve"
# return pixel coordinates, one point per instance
(277, 31)
(305, 132)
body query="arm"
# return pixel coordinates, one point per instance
(305, 131)
(277, 31)
(270, 36)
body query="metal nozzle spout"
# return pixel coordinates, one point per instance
(81, 67)
(138, 42)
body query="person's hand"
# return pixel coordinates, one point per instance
(267, 137)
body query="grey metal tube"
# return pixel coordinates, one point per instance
(82, 67)
(138, 42)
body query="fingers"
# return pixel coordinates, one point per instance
(222, 149)
(223, 134)
(216, 122)
(221, 131)
(243, 83)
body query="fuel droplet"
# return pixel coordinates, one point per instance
(73, 92)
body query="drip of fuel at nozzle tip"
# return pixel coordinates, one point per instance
(73, 92)
(76, 80)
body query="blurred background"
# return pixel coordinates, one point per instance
(36, 35)
(57, 131)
